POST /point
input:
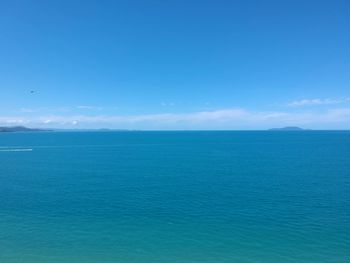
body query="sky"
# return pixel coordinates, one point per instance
(174, 65)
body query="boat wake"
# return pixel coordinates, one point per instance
(16, 150)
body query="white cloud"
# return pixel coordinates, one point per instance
(44, 109)
(313, 102)
(28, 110)
(214, 119)
(166, 104)
(12, 121)
(86, 107)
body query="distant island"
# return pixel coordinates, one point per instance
(20, 129)
(289, 128)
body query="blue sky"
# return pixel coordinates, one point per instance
(175, 64)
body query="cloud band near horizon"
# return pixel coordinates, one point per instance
(235, 118)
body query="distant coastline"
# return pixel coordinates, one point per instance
(21, 129)
(11, 129)
(288, 128)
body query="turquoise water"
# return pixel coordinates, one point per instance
(175, 197)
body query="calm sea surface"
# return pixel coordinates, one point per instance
(175, 197)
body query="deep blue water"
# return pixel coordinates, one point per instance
(175, 197)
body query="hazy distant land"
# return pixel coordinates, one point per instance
(26, 129)
(20, 129)
(289, 128)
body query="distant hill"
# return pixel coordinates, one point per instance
(290, 128)
(19, 129)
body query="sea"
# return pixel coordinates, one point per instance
(175, 197)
